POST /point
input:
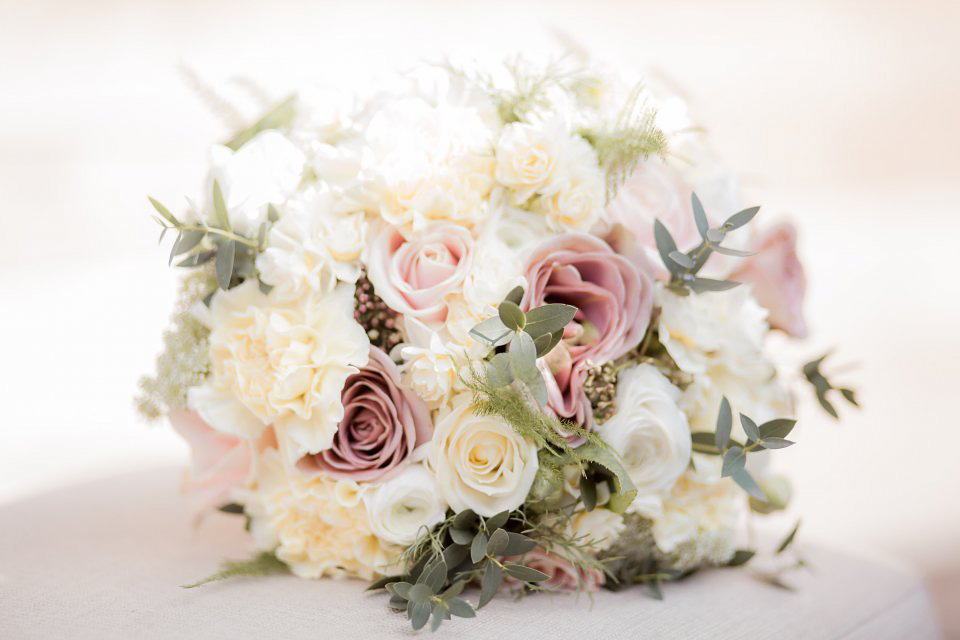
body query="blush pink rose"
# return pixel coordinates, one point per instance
(415, 275)
(777, 278)
(564, 381)
(383, 422)
(563, 575)
(219, 462)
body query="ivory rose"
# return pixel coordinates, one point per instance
(778, 280)
(414, 276)
(481, 462)
(405, 506)
(382, 424)
(528, 156)
(287, 363)
(648, 430)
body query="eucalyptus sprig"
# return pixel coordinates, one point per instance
(821, 385)
(769, 435)
(684, 267)
(234, 254)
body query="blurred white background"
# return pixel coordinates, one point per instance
(841, 114)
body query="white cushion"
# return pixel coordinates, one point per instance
(104, 560)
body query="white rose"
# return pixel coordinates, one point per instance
(703, 330)
(528, 156)
(648, 430)
(287, 363)
(481, 462)
(405, 506)
(266, 170)
(576, 200)
(601, 527)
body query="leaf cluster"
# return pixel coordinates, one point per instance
(233, 255)
(769, 435)
(684, 267)
(465, 548)
(811, 371)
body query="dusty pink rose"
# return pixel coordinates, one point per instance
(777, 277)
(219, 462)
(564, 380)
(563, 575)
(414, 275)
(382, 424)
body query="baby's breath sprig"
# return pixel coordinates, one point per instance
(683, 267)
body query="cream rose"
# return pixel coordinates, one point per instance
(576, 201)
(648, 430)
(405, 506)
(528, 156)
(287, 363)
(480, 462)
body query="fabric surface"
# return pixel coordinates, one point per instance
(104, 560)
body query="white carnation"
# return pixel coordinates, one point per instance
(405, 506)
(430, 367)
(287, 363)
(648, 430)
(481, 462)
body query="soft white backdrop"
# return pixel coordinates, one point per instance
(840, 114)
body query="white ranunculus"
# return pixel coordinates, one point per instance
(287, 363)
(648, 430)
(266, 170)
(405, 506)
(704, 330)
(429, 366)
(481, 462)
(601, 527)
(528, 157)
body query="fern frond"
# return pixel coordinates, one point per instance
(263, 564)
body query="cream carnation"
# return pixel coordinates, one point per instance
(481, 462)
(429, 367)
(648, 430)
(287, 363)
(316, 525)
(405, 507)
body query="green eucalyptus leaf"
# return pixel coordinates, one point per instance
(737, 253)
(724, 423)
(516, 295)
(778, 428)
(466, 519)
(461, 536)
(548, 319)
(665, 245)
(750, 428)
(523, 365)
(734, 460)
(623, 490)
(490, 583)
(226, 253)
(740, 218)
(850, 396)
(746, 482)
(776, 443)
(699, 216)
(418, 593)
(492, 332)
(220, 208)
(511, 316)
(419, 614)
(526, 574)
(401, 589)
(455, 554)
(497, 520)
(383, 582)
(519, 544)
(498, 543)
(789, 539)
(478, 548)
(703, 285)
(454, 589)
(440, 612)
(461, 608)
(826, 404)
(588, 493)
(279, 116)
(741, 557)
(716, 236)
(187, 241)
(682, 259)
(498, 371)
(434, 574)
(164, 212)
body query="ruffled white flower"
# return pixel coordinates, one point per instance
(528, 157)
(287, 363)
(701, 331)
(405, 506)
(314, 525)
(224, 412)
(648, 430)
(575, 202)
(266, 170)
(430, 367)
(427, 161)
(698, 521)
(481, 462)
(312, 247)
(600, 527)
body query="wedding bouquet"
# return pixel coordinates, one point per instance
(501, 328)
